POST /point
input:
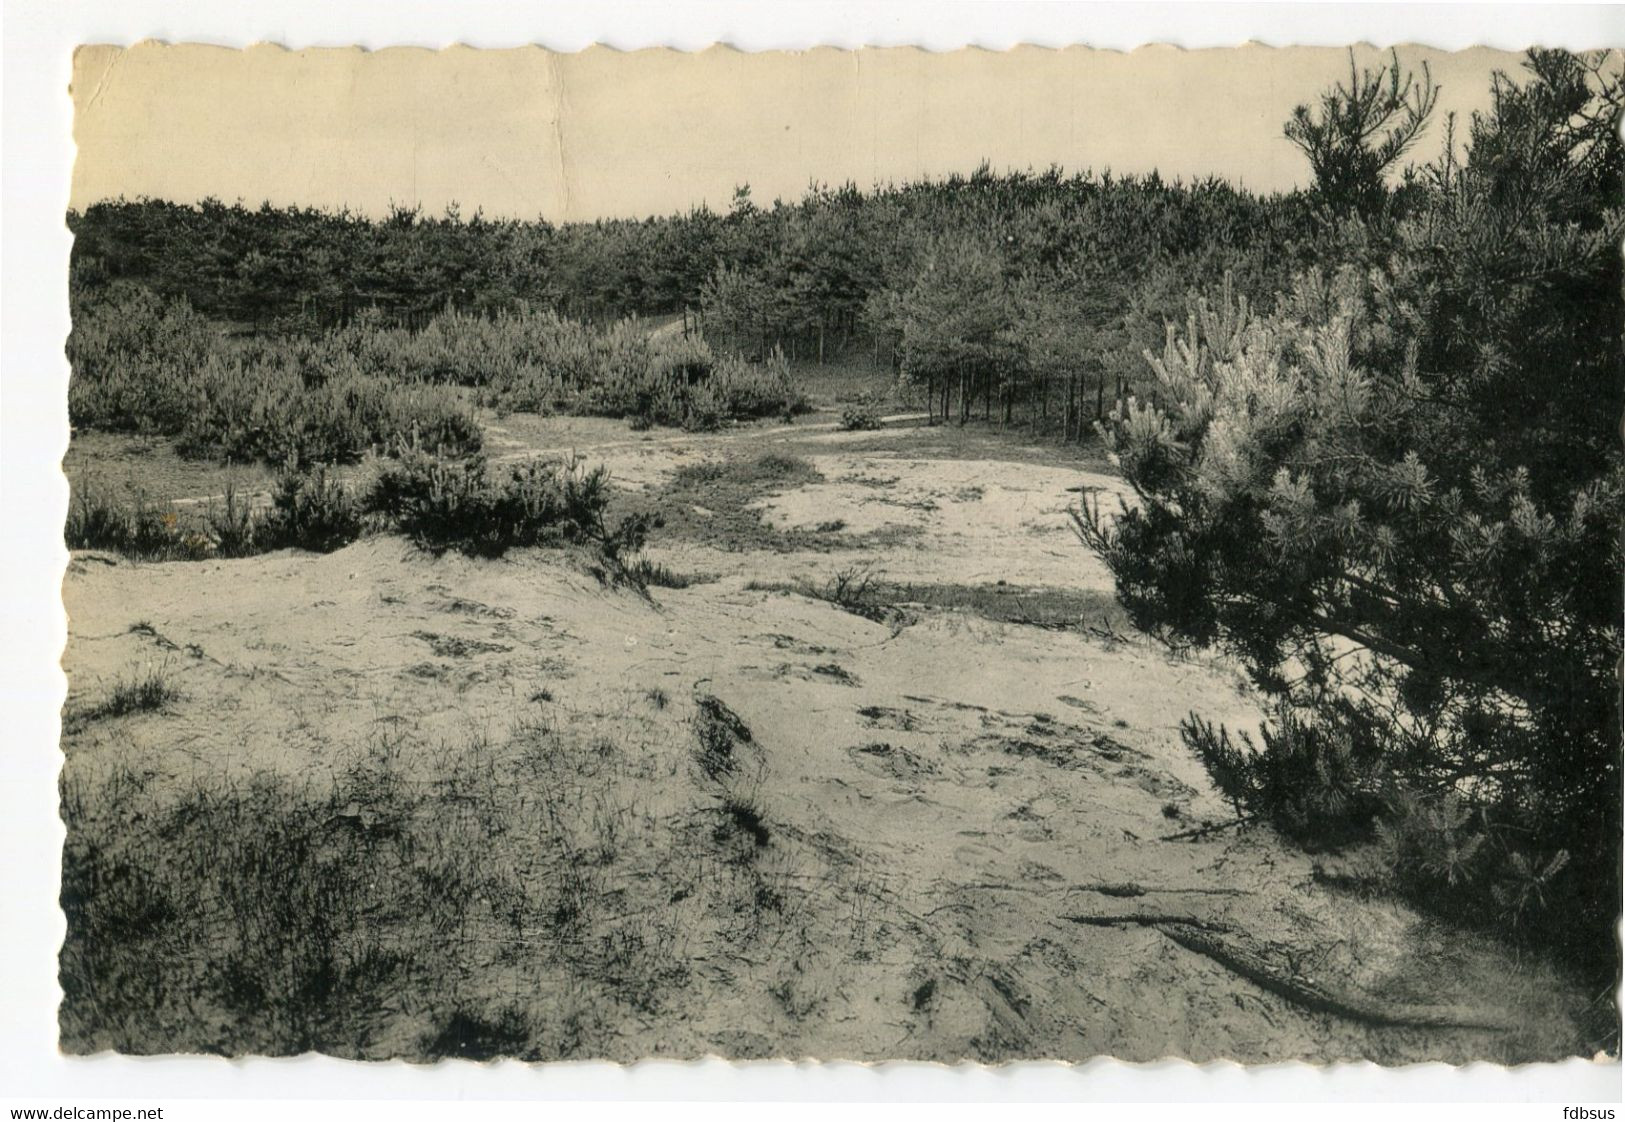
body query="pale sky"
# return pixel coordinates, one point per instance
(527, 132)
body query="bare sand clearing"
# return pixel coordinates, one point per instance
(945, 800)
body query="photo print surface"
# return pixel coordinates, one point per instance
(881, 555)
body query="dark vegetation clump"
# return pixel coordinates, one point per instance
(234, 524)
(862, 415)
(1314, 782)
(714, 749)
(651, 574)
(742, 817)
(715, 711)
(146, 692)
(440, 503)
(467, 506)
(276, 915)
(309, 510)
(719, 734)
(853, 590)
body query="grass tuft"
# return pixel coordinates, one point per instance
(718, 734)
(742, 817)
(147, 690)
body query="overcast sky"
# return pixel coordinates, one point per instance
(604, 133)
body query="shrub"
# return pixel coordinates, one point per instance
(861, 415)
(1319, 783)
(136, 360)
(1432, 845)
(439, 502)
(463, 505)
(645, 573)
(719, 734)
(96, 521)
(135, 528)
(752, 390)
(144, 365)
(854, 590)
(309, 510)
(702, 412)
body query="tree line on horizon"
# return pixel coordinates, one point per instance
(939, 282)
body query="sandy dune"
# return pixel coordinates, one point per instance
(940, 793)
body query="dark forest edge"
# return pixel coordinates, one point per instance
(1377, 460)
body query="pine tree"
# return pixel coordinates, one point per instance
(1399, 496)
(1361, 131)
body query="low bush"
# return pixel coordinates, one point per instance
(853, 590)
(469, 507)
(1321, 784)
(720, 736)
(440, 503)
(681, 383)
(309, 510)
(649, 574)
(1327, 784)
(98, 519)
(861, 415)
(137, 360)
(233, 525)
(147, 690)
